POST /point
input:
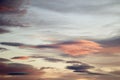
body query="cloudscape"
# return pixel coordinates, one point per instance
(59, 40)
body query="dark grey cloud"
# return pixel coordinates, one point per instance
(111, 42)
(2, 31)
(83, 69)
(11, 12)
(43, 68)
(53, 60)
(11, 44)
(34, 56)
(80, 67)
(72, 62)
(15, 4)
(49, 59)
(18, 69)
(4, 60)
(18, 73)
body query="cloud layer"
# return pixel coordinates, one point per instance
(74, 48)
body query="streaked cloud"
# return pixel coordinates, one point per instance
(74, 48)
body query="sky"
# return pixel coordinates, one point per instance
(59, 40)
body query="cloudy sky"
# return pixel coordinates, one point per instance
(59, 40)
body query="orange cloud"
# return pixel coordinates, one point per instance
(21, 58)
(81, 47)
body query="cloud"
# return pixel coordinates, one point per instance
(22, 78)
(111, 50)
(11, 7)
(43, 68)
(111, 42)
(3, 49)
(10, 12)
(2, 31)
(18, 69)
(43, 57)
(53, 60)
(80, 6)
(111, 45)
(81, 47)
(83, 69)
(80, 67)
(74, 48)
(4, 60)
(18, 73)
(11, 44)
(49, 59)
(73, 62)
(21, 58)
(116, 72)
(38, 56)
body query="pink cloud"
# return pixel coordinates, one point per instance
(81, 47)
